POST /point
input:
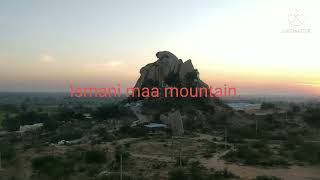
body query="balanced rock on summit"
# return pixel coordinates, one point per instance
(165, 66)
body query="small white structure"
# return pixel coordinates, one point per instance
(32, 127)
(244, 106)
(87, 116)
(64, 142)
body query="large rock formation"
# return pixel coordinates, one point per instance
(166, 64)
(175, 123)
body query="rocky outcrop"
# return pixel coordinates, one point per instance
(185, 68)
(166, 64)
(175, 123)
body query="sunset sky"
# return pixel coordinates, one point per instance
(45, 44)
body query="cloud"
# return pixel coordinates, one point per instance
(312, 84)
(47, 58)
(106, 66)
(113, 64)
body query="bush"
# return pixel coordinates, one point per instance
(68, 134)
(197, 171)
(32, 117)
(267, 178)
(242, 133)
(308, 152)
(93, 170)
(178, 174)
(115, 176)
(223, 174)
(312, 116)
(95, 157)
(7, 152)
(133, 131)
(184, 161)
(50, 124)
(11, 124)
(103, 132)
(107, 111)
(125, 155)
(266, 105)
(253, 154)
(52, 166)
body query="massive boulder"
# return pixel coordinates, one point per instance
(175, 123)
(185, 68)
(166, 64)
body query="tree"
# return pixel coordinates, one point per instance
(191, 77)
(50, 124)
(196, 171)
(52, 166)
(178, 174)
(173, 80)
(121, 152)
(32, 117)
(107, 111)
(12, 108)
(270, 118)
(65, 113)
(11, 124)
(312, 117)
(295, 108)
(266, 105)
(95, 156)
(7, 151)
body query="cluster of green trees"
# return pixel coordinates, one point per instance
(7, 151)
(255, 153)
(268, 105)
(87, 161)
(13, 122)
(312, 116)
(297, 149)
(107, 111)
(53, 166)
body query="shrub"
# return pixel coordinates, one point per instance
(266, 105)
(182, 160)
(115, 176)
(50, 124)
(253, 154)
(133, 131)
(107, 111)
(267, 178)
(7, 152)
(93, 170)
(95, 157)
(197, 171)
(178, 174)
(68, 134)
(119, 151)
(52, 166)
(312, 116)
(308, 152)
(11, 124)
(224, 174)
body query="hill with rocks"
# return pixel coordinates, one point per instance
(179, 113)
(170, 70)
